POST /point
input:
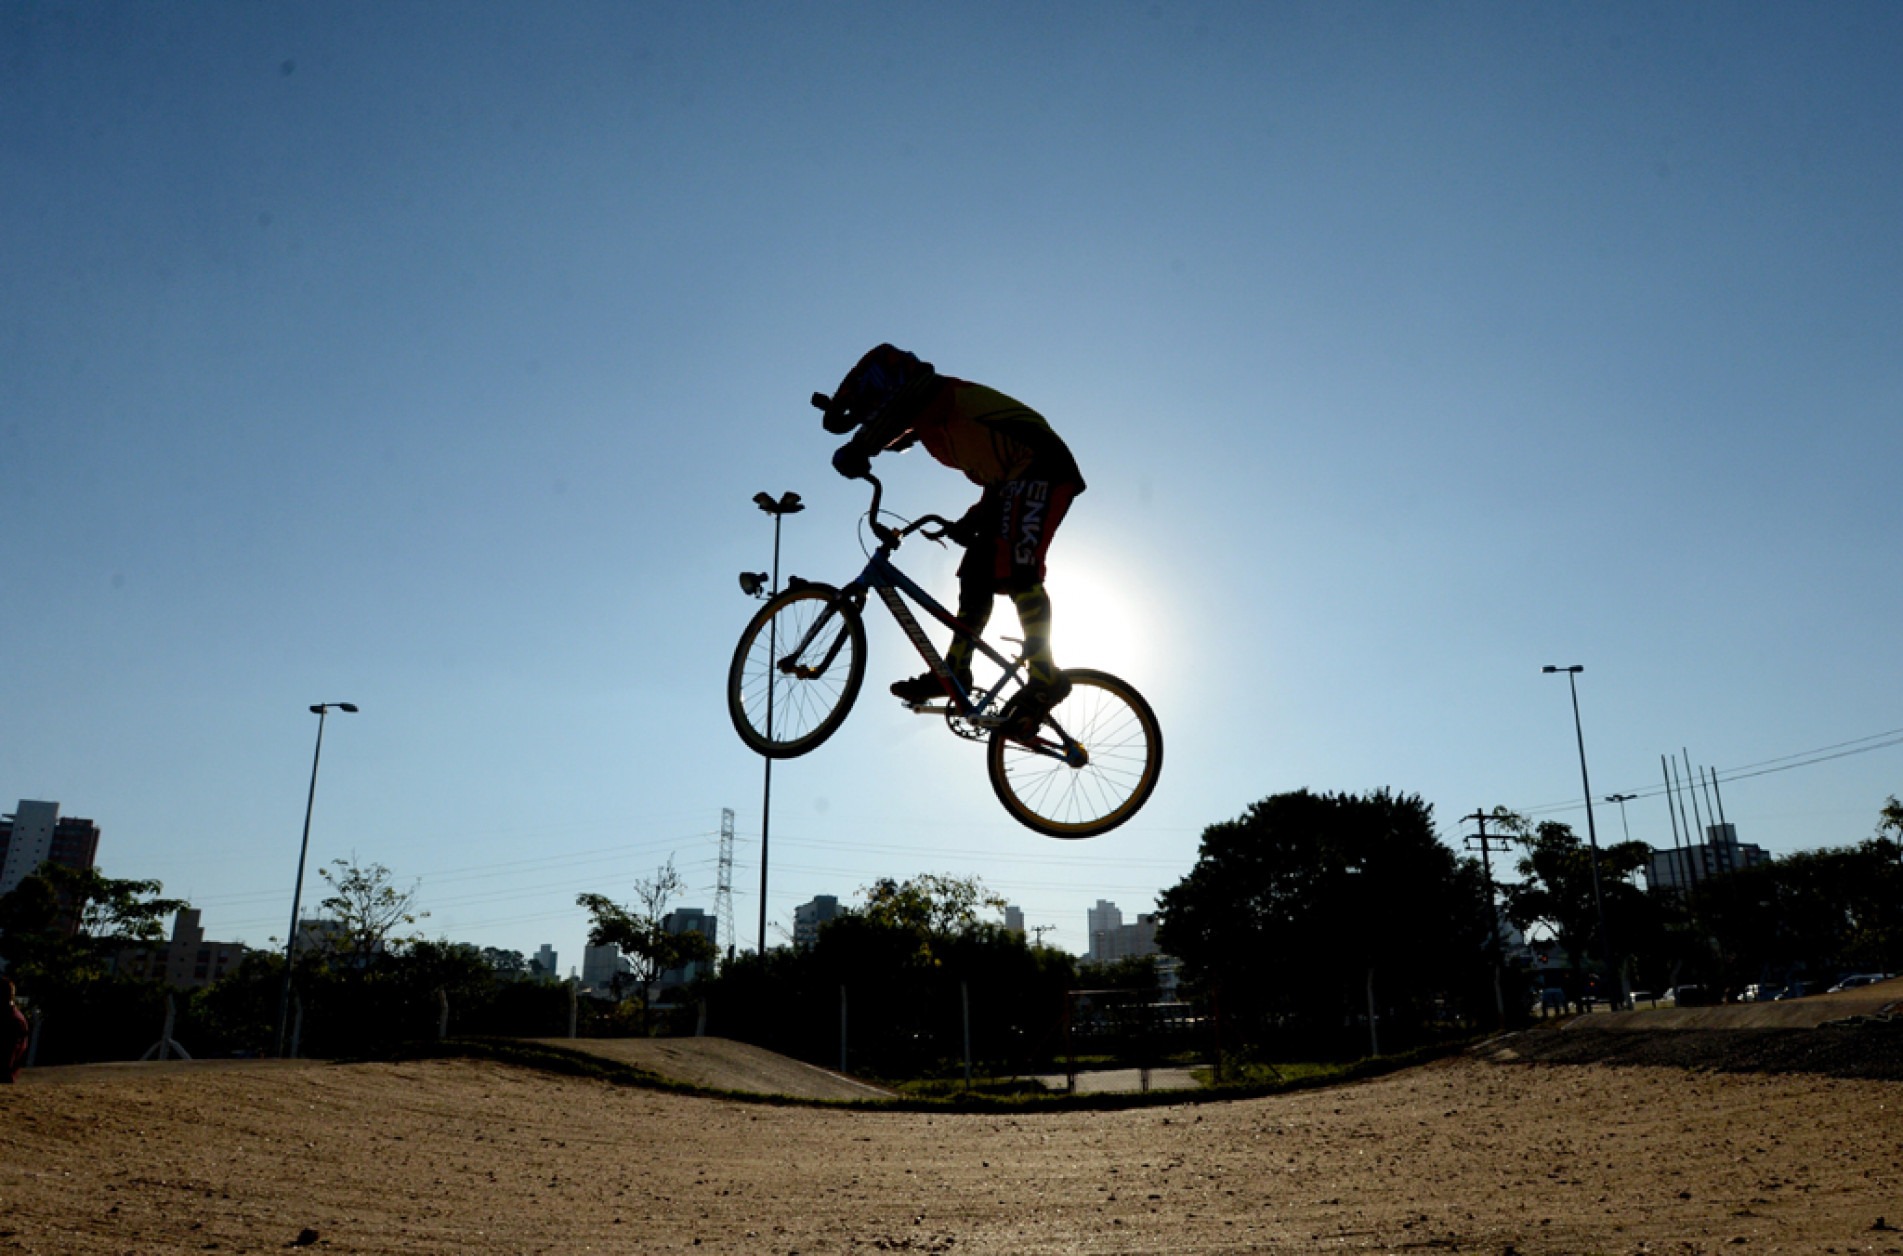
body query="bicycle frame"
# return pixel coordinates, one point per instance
(893, 586)
(883, 577)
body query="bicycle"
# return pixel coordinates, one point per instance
(1091, 763)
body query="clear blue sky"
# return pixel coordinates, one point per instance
(427, 357)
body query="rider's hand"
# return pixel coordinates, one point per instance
(968, 530)
(852, 463)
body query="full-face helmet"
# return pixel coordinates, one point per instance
(880, 376)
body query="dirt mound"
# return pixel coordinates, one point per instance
(722, 1064)
(1854, 1033)
(482, 1158)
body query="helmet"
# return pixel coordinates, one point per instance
(879, 377)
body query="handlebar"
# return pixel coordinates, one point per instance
(889, 536)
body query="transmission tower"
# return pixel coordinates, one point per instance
(723, 892)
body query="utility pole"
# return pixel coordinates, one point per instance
(1486, 864)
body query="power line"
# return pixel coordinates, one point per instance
(1764, 767)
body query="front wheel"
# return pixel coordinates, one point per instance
(1091, 777)
(796, 671)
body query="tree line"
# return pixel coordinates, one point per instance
(1310, 926)
(1812, 915)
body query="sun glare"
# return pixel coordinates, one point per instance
(1096, 622)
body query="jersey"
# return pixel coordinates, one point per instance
(990, 437)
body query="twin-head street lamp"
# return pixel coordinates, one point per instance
(756, 584)
(297, 892)
(1592, 830)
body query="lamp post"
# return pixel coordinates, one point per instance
(303, 849)
(779, 507)
(1592, 830)
(1622, 800)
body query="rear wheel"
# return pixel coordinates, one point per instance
(796, 671)
(1097, 786)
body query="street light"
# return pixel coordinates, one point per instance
(1592, 830)
(297, 891)
(750, 583)
(1622, 800)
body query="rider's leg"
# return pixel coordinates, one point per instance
(974, 611)
(1034, 616)
(1037, 507)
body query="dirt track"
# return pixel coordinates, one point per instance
(457, 1156)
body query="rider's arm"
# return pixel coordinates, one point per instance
(892, 427)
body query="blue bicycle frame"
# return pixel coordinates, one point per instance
(881, 576)
(885, 579)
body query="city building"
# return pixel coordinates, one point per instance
(186, 962)
(545, 965)
(1684, 867)
(809, 916)
(688, 920)
(1014, 920)
(600, 965)
(35, 834)
(1112, 940)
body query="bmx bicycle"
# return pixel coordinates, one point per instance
(1088, 766)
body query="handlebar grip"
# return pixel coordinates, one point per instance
(821, 401)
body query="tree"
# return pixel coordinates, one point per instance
(916, 956)
(1134, 972)
(63, 925)
(1301, 906)
(368, 911)
(931, 908)
(1890, 820)
(1559, 891)
(62, 928)
(508, 965)
(638, 930)
(1836, 910)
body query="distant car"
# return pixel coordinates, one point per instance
(1692, 996)
(1797, 990)
(1856, 980)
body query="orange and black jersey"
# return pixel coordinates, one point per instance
(992, 438)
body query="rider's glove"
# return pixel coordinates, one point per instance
(969, 530)
(851, 463)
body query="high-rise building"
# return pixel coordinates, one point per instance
(809, 916)
(600, 965)
(1105, 919)
(1681, 868)
(35, 834)
(545, 963)
(1014, 920)
(1124, 941)
(688, 920)
(186, 962)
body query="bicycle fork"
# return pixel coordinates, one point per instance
(790, 664)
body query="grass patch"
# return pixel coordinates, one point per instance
(941, 1088)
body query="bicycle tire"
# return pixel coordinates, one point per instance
(782, 715)
(1118, 731)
